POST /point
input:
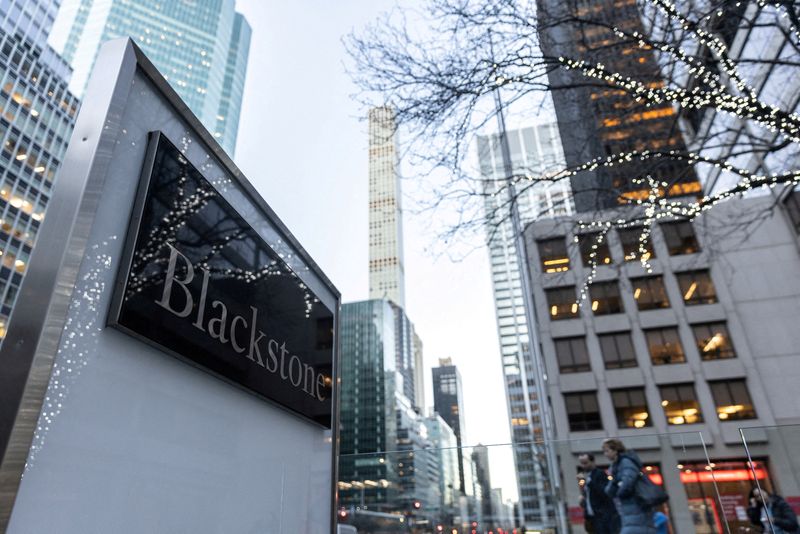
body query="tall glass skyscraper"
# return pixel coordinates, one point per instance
(201, 48)
(535, 151)
(37, 114)
(448, 402)
(367, 412)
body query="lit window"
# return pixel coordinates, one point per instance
(792, 203)
(732, 400)
(713, 341)
(680, 404)
(665, 346)
(697, 287)
(562, 302)
(649, 293)
(605, 298)
(631, 240)
(588, 245)
(553, 254)
(617, 349)
(680, 238)
(583, 411)
(631, 408)
(572, 355)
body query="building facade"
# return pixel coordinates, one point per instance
(448, 402)
(419, 374)
(443, 447)
(38, 113)
(367, 412)
(480, 459)
(676, 360)
(200, 48)
(753, 34)
(386, 267)
(405, 356)
(599, 121)
(535, 151)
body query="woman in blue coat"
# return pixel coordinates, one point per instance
(626, 468)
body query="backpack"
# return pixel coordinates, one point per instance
(648, 493)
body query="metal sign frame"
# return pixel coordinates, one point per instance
(37, 322)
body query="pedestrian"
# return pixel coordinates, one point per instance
(783, 519)
(626, 468)
(661, 522)
(599, 509)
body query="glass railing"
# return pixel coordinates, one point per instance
(709, 481)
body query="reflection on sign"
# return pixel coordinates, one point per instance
(204, 285)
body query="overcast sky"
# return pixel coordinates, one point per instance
(304, 146)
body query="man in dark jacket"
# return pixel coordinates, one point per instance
(783, 518)
(598, 508)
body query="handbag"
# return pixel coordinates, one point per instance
(648, 493)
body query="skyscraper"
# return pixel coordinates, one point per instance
(368, 421)
(535, 151)
(443, 447)
(37, 116)
(419, 374)
(386, 273)
(404, 347)
(597, 121)
(448, 403)
(480, 457)
(201, 48)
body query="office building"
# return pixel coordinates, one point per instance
(502, 511)
(480, 458)
(200, 48)
(37, 113)
(676, 359)
(404, 346)
(776, 81)
(368, 407)
(386, 271)
(597, 121)
(443, 447)
(417, 464)
(448, 398)
(419, 374)
(535, 151)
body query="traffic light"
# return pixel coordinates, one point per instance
(417, 505)
(343, 514)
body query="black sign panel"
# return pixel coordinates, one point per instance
(198, 281)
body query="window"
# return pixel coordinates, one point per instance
(617, 350)
(605, 298)
(631, 408)
(553, 254)
(680, 404)
(713, 341)
(583, 411)
(680, 238)
(697, 287)
(665, 346)
(649, 293)
(732, 400)
(572, 355)
(588, 244)
(561, 302)
(793, 208)
(631, 244)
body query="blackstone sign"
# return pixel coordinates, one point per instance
(200, 282)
